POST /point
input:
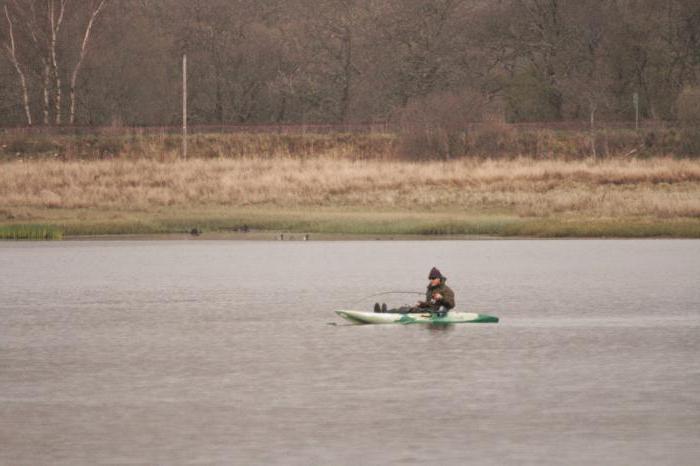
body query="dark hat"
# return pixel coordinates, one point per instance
(435, 273)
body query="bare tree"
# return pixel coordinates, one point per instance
(343, 60)
(95, 9)
(42, 23)
(423, 47)
(55, 13)
(31, 22)
(335, 30)
(11, 50)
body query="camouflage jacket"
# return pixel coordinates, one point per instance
(448, 296)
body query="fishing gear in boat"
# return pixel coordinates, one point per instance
(385, 293)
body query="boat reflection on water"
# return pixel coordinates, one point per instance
(437, 327)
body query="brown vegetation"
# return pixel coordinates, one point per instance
(658, 188)
(413, 142)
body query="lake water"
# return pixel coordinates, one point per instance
(229, 352)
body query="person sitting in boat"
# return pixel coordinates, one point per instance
(439, 298)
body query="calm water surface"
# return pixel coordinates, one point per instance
(170, 352)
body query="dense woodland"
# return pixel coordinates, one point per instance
(118, 62)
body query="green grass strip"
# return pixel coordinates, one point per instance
(30, 232)
(349, 221)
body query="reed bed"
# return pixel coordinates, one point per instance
(659, 187)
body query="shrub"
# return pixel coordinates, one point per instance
(690, 141)
(31, 145)
(493, 138)
(688, 105)
(109, 146)
(436, 126)
(425, 144)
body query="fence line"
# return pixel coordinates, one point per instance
(195, 129)
(576, 125)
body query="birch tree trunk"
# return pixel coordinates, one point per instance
(32, 24)
(55, 23)
(83, 51)
(11, 50)
(47, 93)
(348, 71)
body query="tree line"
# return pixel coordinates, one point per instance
(118, 62)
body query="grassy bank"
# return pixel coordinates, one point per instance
(326, 195)
(270, 221)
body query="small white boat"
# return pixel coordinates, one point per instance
(452, 317)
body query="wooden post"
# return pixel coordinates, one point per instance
(635, 101)
(184, 106)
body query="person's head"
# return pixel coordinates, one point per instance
(435, 277)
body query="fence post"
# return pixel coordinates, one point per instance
(184, 106)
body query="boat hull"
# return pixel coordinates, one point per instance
(452, 317)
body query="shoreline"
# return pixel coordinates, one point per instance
(279, 225)
(342, 237)
(271, 236)
(275, 223)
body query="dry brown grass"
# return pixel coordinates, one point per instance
(660, 187)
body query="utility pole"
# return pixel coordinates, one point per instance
(184, 106)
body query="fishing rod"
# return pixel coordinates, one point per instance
(386, 292)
